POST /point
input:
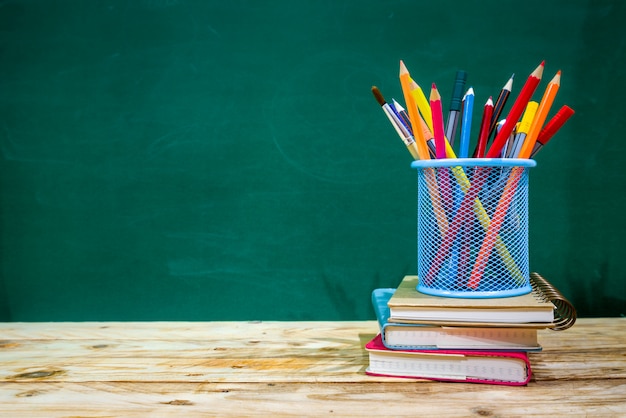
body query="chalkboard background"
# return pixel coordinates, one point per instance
(211, 160)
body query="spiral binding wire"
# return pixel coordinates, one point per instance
(564, 311)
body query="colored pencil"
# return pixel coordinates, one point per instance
(413, 112)
(422, 103)
(466, 125)
(484, 128)
(499, 105)
(403, 115)
(540, 115)
(436, 108)
(516, 111)
(552, 127)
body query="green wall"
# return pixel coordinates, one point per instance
(211, 160)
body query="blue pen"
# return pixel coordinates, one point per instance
(466, 127)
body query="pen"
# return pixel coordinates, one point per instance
(516, 111)
(466, 126)
(540, 115)
(455, 106)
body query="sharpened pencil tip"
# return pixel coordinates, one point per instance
(403, 69)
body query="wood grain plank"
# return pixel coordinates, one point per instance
(132, 399)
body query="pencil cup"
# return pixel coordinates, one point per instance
(472, 218)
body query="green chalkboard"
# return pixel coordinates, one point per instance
(211, 160)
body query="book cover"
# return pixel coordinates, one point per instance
(409, 305)
(400, 336)
(488, 367)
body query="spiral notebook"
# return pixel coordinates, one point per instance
(544, 307)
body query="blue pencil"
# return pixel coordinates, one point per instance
(466, 126)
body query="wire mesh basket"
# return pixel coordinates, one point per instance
(472, 218)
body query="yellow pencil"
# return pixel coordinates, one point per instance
(405, 78)
(422, 103)
(540, 116)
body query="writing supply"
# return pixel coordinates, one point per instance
(470, 200)
(516, 111)
(413, 112)
(524, 126)
(487, 367)
(543, 307)
(499, 104)
(403, 115)
(398, 125)
(405, 336)
(429, 137)
(552, 127)
(437, 117)
(540, 115)
(497, 219)
(422, 103)
(510, 141)
(483, 134)
(455, 106)
(466, 125)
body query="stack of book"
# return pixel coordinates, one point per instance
(462, 339)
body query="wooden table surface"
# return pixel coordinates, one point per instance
(161, 369)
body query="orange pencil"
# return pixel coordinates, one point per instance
(405, 83)
(438, 130)
(540, 116)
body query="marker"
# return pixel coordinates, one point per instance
(455, 106)
(540, 115)
(516, 111)
(466, 126)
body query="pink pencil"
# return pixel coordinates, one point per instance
(438, 130)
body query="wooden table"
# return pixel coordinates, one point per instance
(161, 369)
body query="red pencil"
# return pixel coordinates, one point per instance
(516, 111)
(484, 128)
(551, 127)
(438, 130)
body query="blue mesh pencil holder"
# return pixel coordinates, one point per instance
(472, 227)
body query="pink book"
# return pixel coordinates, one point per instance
(471, 366)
